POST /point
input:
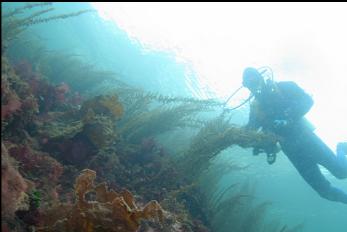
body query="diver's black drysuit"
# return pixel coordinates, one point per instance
(287, 101)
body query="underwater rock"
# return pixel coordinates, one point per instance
(100, 131)
(76, 136)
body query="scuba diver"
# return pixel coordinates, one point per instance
(279, 108)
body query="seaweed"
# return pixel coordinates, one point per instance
(13, 186)
(217, 135)
(235, 207)
(14, 22)
(82, 76)
(111, 211)
(149, 114)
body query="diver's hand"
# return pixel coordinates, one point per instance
(280, 123)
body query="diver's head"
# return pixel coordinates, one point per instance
(253, 80)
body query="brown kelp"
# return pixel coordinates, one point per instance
(110, 211)
(217, 135)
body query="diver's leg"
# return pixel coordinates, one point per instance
(313, 176)
(336, 164)
(341, 152)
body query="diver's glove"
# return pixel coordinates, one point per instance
(271, 152)
(280, 123)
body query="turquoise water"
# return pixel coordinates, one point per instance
(106, 46)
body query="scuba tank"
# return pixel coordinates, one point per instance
(305, 123)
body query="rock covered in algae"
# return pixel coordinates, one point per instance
(95, 120)
(103, 105)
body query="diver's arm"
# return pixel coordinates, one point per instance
(253, 121)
